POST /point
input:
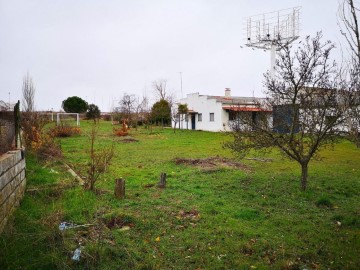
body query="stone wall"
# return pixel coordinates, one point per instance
(12, 183)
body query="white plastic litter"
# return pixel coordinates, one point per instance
(77, 254)
(66, 225)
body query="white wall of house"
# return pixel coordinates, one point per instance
(204, 105)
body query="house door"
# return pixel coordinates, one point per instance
(192, 121)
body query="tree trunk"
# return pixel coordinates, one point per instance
(304, 175)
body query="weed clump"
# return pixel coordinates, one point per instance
(324, 202)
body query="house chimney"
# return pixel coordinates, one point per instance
(227, 92)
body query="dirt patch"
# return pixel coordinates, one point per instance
(128, 139)
(192, 214)
(185, 219)
(94, 234)
(119, 222)
(102, 191)
(211, 163)
(149, 185)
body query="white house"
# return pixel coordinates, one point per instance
(213, 113)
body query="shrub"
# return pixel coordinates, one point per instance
(93, 112)
(120, 132)
(123, 131)
(32, 125)
(65, 131)
(99, 160)
(106, 117)
(48, 148)
(37, 140)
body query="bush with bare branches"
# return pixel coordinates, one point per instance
(99, 160)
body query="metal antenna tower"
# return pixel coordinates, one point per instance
(265, 31)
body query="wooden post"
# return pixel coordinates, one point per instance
(162, 183)
(119, 188)
(17, 124)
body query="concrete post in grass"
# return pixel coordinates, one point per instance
(162, 182)
(119, 188)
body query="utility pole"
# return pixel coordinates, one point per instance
(9, 102)
(181, 84)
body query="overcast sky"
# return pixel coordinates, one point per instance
(98, 49)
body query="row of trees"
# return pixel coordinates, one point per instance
(135, 110)
(78, 105)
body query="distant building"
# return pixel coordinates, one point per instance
(214, 113)
(6, 106)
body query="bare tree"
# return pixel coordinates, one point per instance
(349, 28)
(141, 110)
(351, 83)
(28, 91)
(143, 105)
(183, 112)
(175, 116)
(127, 107)
(178, 114)
(99, 160)
(160, 90)
(145, 115)
(308, 111)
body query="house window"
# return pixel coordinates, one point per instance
(199, 117)
(233, 115)
(212, 117)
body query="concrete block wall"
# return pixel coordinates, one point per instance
(12, 183)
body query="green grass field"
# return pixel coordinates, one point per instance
(212, 215)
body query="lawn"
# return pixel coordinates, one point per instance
(215, 213)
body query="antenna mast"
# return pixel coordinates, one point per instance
(265, 31)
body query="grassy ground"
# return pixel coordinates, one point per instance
(211, 216)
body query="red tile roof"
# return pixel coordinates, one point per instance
(245, 109)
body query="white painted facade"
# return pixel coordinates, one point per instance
(209, 112)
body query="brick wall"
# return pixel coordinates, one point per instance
(12, 183)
